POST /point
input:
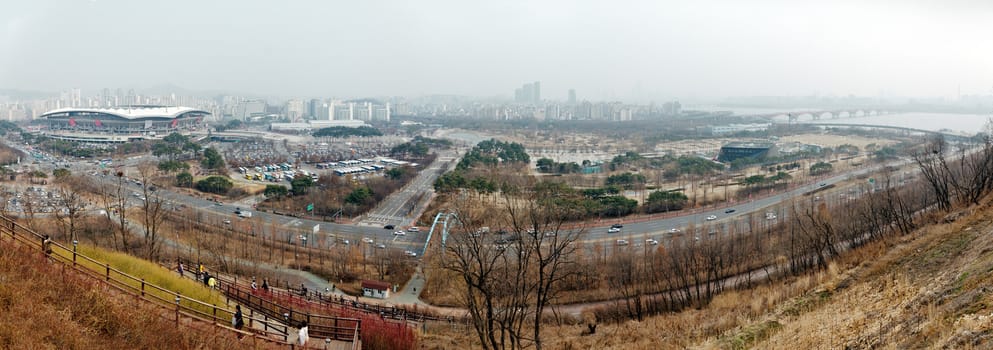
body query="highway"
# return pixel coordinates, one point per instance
(397, 210)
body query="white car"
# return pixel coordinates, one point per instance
(622, 242)
(410, 254)
(413, 229)
(381, 246)
(673, 230)
(227, 222)
(366, 240)
(399, 233)
(613, 230)
(651, 242)
(712, 217)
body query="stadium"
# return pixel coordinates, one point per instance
(120, 124)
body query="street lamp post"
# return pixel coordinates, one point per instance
(304, 239)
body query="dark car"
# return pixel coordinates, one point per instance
(616, 226)
(729, 211)
(389, 227)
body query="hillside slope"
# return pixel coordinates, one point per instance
(929, 290)
(46, 306)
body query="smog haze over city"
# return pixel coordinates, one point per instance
(504, 174)
(635, 51)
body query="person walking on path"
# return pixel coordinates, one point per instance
(179, 267)
(303, 336)
(239, 321)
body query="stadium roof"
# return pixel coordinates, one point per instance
(132, 112)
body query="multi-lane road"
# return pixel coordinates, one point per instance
(402, 207)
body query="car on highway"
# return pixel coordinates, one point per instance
(414, 229)
(410, 254)
(651, 241)
(770, 216)
(673, 230)
(616, 226)
(381, 246)
(712, 218)
(622, 242)
(822, 184)
(389, 227)
(227, 222)
(366, 240)
(613, 230)
(399, 233)
(729, 211)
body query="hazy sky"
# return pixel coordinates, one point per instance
(603, 49)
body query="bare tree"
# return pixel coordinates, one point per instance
(71, 205)
(153, 212)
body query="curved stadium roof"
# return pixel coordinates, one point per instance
(132, 113)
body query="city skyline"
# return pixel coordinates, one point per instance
(637, 52)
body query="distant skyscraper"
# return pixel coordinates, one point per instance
(528, 93)
(572, 96)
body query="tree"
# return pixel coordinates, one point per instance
(820, 168)
(212, 159)
(396, 173)
(192, 147)
(755, 180)
(300, 184)
(61, 173)
(660, 201)
(153, 212)
(509, 286)
(344, 131)
(70, 208)
(165, 149)
(173, 165)
(275, 191)
(215, 184)
(545, 165)
(358, 196)
(176, 139)
(184, 179)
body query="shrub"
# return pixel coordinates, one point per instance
(215, 184)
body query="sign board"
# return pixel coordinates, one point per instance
(310, 207)
(317, 228)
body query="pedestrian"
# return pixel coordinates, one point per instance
(179, 267)
(46, 245)
(303, 290)
(212, 282)
(265, 284)
(206, 278)
(254, 286)
(238, 321)
(303, 336)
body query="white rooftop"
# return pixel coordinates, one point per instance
(132, 112)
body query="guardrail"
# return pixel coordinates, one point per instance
(218, 316)
(315, 299)
(319, 326)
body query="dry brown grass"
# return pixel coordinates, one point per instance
(928, 289)
(43, 306)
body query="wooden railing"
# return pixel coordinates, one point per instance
(272, 330)
(319, 326)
